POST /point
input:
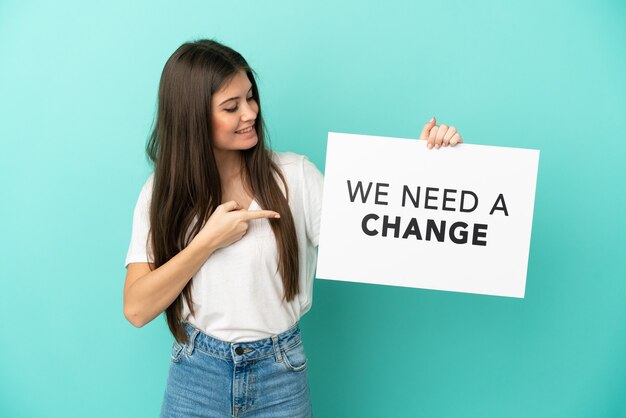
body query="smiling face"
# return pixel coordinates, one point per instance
(234, 111)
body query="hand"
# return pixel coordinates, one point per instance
(229, 223)
(438, 135)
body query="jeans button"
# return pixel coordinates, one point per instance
(239, 351)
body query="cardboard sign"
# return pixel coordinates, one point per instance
(455, 218)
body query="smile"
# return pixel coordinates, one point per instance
(246, 130)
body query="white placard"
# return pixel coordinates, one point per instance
(455, 218)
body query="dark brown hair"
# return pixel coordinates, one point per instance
(187, 187)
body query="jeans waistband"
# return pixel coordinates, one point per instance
(240, 351)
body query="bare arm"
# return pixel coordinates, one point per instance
(148, 293)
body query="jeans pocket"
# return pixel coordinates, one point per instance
(295, 357)
(177, 351)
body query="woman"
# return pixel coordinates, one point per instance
(234, 284)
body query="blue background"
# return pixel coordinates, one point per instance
(78, 86)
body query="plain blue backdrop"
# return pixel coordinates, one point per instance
(78, 86)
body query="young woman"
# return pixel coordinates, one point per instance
(224, 241)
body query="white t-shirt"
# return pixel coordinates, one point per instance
(237, 292)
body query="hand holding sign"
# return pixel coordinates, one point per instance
(438, 135)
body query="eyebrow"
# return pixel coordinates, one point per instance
(233, 98)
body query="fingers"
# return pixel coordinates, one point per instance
(246, 215)
(443, 129)
(432, 136)
(449, 134)
(427, 127)
(440, 135)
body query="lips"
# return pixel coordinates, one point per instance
(245, 130)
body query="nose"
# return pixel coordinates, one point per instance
(249, 111)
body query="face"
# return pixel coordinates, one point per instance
(234, 112)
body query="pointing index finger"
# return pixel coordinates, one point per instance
(257, 214)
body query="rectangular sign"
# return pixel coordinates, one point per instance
(455, 218)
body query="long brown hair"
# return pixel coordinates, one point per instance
(187, 187)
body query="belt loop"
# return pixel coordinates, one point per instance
(192, 339)
(277, 353)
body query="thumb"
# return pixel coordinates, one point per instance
(230, 206)
(427, 127)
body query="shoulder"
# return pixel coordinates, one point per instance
(146, 189)
(287, 159)
(293, 164)
(149, 180)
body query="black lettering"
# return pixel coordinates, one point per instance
(412, 229)
(462, 238)
(429, 197)
(358, 189)
(406, 191)
(502, 208)
(395, 226)
(380, 193)
(447, 199)
(479, 234)
(439, 232)
(463, 193)
(370, 232)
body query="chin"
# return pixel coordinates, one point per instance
(251, 144)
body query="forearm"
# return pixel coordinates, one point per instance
(152, 293)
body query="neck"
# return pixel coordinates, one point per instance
(230, 166)
(228, 162)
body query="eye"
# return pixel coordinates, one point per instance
(234, 109)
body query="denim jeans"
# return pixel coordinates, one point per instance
(213, 378)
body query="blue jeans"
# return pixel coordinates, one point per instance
(213, 378)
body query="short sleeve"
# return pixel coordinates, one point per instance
(140, 249)
(312, 191)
